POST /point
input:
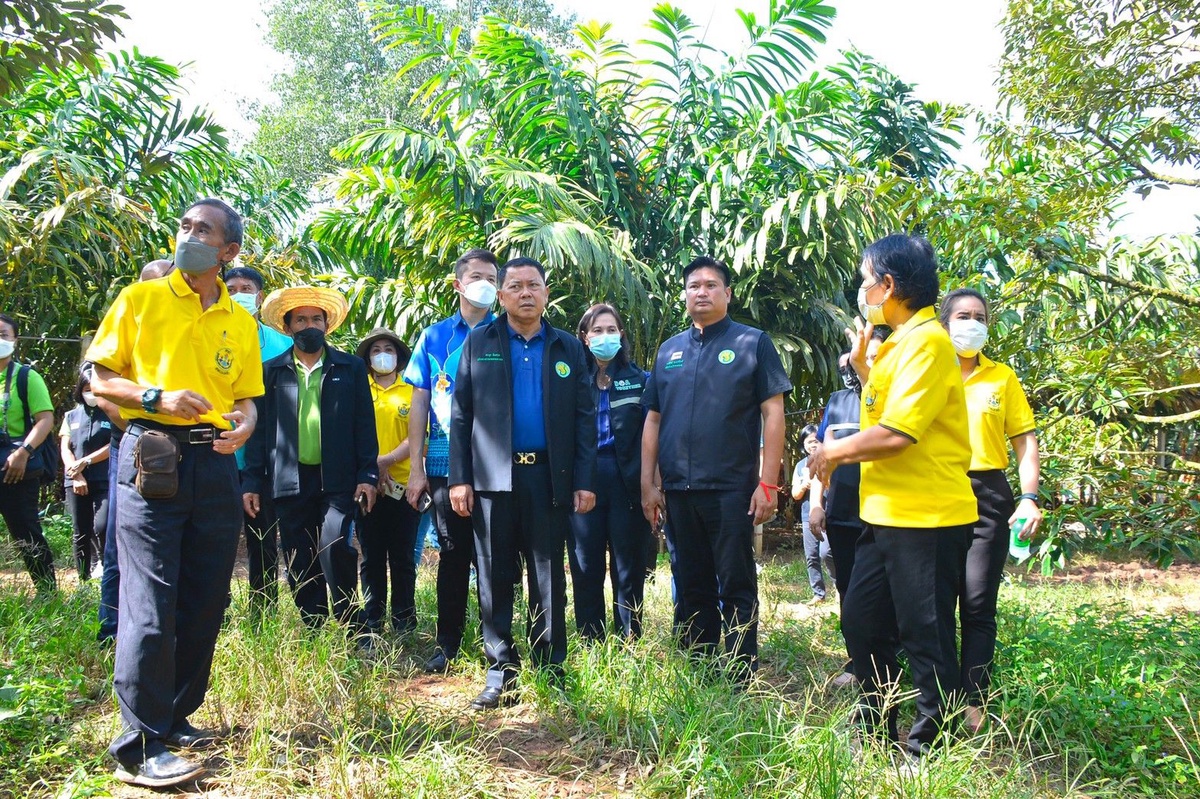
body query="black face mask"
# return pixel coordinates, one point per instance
(309, 340)
(850, 379)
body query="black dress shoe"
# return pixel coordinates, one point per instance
(159, 771)
(438, 664)
(492, 698)
(185, 736)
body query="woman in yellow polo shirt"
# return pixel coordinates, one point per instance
(915, 498)
(388, 533)
(997, 413)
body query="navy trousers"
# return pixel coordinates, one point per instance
(262, 555)
(522, 523)
(110, 582)
(456, 536)
(712, 561)
(176, 559)
(611, 539)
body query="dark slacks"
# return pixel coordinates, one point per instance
(456, 536)
(842, 539)
(522, 523)
(19, 507)
(984, 569)
(387, 535)
(712, 562)
(314, 527)
(262, 555)
(110, 582)
(616, 528)
(905, 580)
(89, 523)
(176, 559)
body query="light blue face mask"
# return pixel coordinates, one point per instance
(194, 256)
(247, 301)
(605, 346)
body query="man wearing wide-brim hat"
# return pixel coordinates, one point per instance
(314, 451)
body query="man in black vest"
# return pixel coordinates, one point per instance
(521, 458)
(314, 451)
(715, 392)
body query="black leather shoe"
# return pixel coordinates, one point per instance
(492, 698)
(185, 736)
(438, 664)
(159, 771)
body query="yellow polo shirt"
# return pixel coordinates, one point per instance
(156, 334)
(392, 405)
(916, 389)
(997, 410)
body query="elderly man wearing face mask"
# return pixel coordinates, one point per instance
(245, 286)
(314, 452)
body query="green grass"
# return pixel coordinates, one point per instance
(1097, 695)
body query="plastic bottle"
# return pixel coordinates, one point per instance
(1017, 548)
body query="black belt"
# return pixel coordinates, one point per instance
(529, 458)
(204, 434)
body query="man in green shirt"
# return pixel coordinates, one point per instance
(314, 452)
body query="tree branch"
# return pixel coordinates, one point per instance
(1177, 297)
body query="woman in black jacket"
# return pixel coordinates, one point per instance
(616, 525)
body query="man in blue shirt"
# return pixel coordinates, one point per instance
(245, 286)
(431, 372)
(522, 453)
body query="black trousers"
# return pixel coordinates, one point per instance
(456, 536)
(712, 561)
(612, 535)
(986, 555)
(262, 554)
(905, 580)
(110, 583)
(388, 535)
(522, 523)
(842, 539)
(315, 527)
(89, 522)
(19, 507)
(176, 559)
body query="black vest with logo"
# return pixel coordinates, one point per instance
(841, 420)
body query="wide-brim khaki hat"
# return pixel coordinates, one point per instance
(403, 353)
(280, 301)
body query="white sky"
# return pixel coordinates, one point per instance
(947, 48)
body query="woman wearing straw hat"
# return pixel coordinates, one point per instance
(314, 451)
(388, 534)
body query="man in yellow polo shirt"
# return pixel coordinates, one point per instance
(389, 532)
(181, 358)
(915, 498)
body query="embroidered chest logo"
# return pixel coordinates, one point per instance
(562, 370)
(403, 411)
(869, 398)
(994, 402)
(626, 385)
(224, 360)
(675, 361)
(489, 357)
(726, 356)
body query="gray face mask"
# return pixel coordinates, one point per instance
(194, 256)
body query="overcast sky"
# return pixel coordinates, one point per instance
(947, 48)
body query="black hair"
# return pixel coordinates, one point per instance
(705, 262)
(585, 322)
(8, 320)
(85, 379)
(953, 297)
(806, 431)
(287, 316)
(246, 273)
(487, 256)
(517, 263)
(880, 333)
(233, 221)
(911, 263)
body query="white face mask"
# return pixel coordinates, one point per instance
(6, 347)
(870, 313)
(384, 363)
(481, 293)
(89, 399)
(247, 301)
(968, 336)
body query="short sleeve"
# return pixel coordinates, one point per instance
(39, 395)
(249, 382)
(917, 393)
(650, 393)
(417, 373)
(769, 378)
(1018, 419)
(64, 429)
(823, 427)
(112, 346)
(798, 472)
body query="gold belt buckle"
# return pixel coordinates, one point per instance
(526, 458)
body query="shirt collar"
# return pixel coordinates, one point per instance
(180, 288)
(922, 316)
(712, 331)
(301, 368)
(514, 334)
(460, 322)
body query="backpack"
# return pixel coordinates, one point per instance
(46, 456)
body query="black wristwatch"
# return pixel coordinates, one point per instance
(25, 445)
(150, 398)
(1032, 497)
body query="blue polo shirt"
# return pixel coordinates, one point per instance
(432, 368)
(529, 419)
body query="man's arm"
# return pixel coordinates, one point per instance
(418, 429)
(125, 393)
(653, 503)
(585, 436)
(762, 505)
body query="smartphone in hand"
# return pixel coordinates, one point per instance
(424, 502)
